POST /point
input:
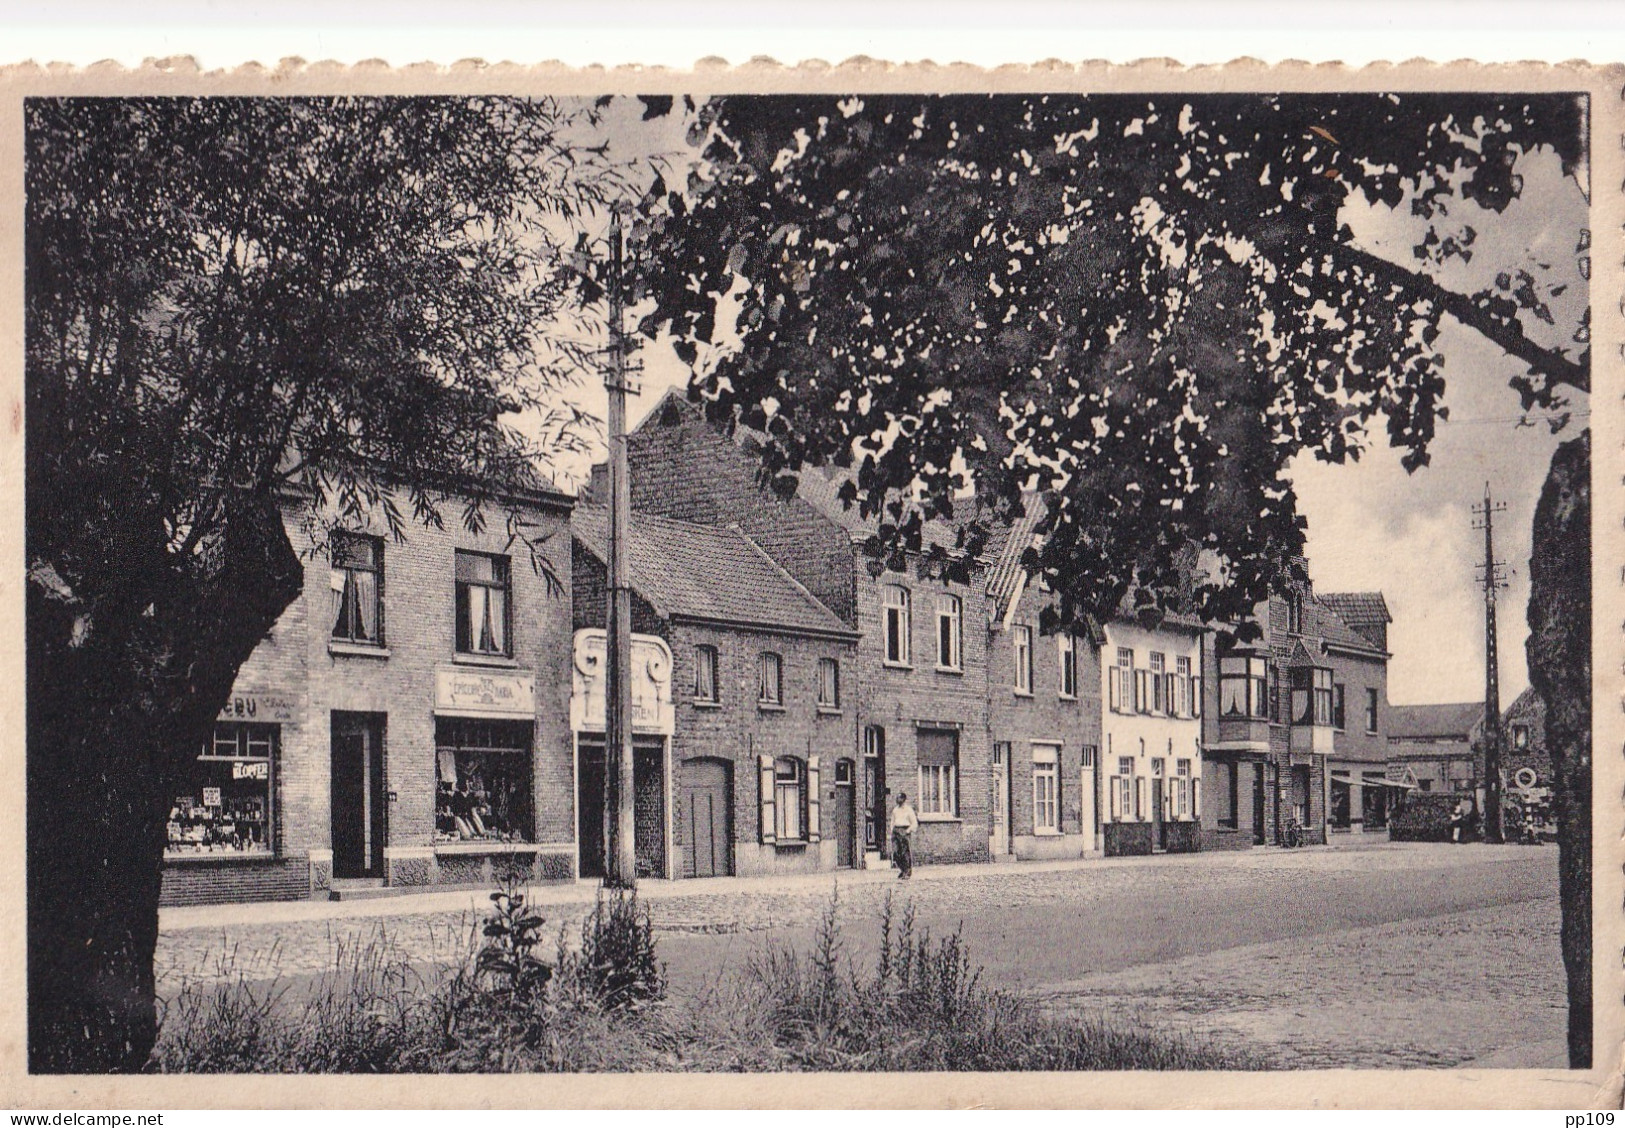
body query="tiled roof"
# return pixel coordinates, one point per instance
(1365, 611)
(1323, 622)
(1005, 547)
(1413, 722)
(707, 572)
(820, 487)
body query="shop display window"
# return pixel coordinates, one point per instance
(484, 775)
(224, 805)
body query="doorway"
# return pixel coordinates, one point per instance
(1086, 797)
(648, 805)
(357, 785)
(846, 814)
(1258, 804)
(874, 791)
(1159, 788)
(705, 806)
(1000, 841)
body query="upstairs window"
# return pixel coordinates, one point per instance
(1371, 710)
(1241, 687)
(770, 679)
(1066, 653)
(898, 652)
(357, 581)
(705, 675)
(1159, 684)
(1520, 737)
(1184, 694)
(1312, 696)
(1294, 613)
(950, 643)
(829, 684)
(1120, 683)
(483, 604)
(1339, 694)
(1021, 638)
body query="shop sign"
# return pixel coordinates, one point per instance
(211, 797)
(478, 693)
(251, 769)
(651, 684)
(273, 708)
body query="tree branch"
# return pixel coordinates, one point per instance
(1557, 368)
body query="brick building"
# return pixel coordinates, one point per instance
(919, 718)
(1287, 711)
(403, 724)
(1043, 708)
(1355, 646)
(1525, 753)
(753, 753)
(1438, 747)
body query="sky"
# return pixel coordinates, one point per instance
(1372, 526)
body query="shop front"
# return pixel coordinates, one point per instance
(223, 834)
(653, 722)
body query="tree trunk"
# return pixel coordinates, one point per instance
(117, 700)
(1559, 652)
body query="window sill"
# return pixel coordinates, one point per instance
(890, 665)
(1046, 832)
(492, 846)
(764, 707)
(1066, 696)
(956, 670)
(1022, 693)
(829, 711)
(235, 857)
(701, 704)
(338, 647)
(494, 661)
(939, 818)
(791, 844)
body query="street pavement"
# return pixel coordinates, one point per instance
(1363, 954)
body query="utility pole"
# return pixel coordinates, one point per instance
(1494, 580)
(620, 846)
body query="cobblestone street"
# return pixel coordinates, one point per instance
(1360, 955)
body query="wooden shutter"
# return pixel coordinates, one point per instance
(767, 812)
(813, 805)
(1139, 798)
(1114, 688)
(1196, 798)
(1196, 697)
(1168, 695)
(1116, 792)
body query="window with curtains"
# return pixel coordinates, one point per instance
(1046, 789)
(829, 684)
(1312, 696)
(706, 686)
(939, 773)
(1159, 684)
(898, 652)
(484, 614)
(1021, 638)
(1241, 686)
(357, 581)
(1184, 699)
(770, 679)
(1066, 653)
(950, 642)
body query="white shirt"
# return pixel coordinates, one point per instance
(903, 818)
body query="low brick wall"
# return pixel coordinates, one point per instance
(207, 881)
(1226, 838)
(1126, 839)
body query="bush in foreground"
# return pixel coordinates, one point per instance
(601, 1006)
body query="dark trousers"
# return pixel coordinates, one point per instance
(902, 852)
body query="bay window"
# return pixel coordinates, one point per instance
(1312, 696)
(1241, 686)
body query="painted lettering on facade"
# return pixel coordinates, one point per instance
(651, 684)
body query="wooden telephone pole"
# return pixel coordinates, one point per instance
(620, 835)
(1493, 579)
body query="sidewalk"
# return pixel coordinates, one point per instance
(184, 918)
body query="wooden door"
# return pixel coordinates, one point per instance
(846, 814)
(1258, 804)
(705, 805)
(999, 842)
(590, 808)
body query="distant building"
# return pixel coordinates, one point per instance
(1437, 745)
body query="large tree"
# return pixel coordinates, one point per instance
(1145, 307)
(238, 309)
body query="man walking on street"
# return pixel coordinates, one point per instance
(903, 822)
